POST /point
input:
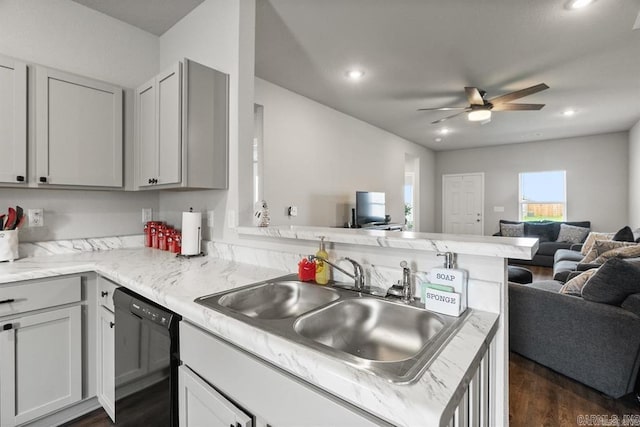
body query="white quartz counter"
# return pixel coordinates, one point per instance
(502, 247)
(175, 283)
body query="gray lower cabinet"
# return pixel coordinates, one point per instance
(13, 121)
(105, 351)
(40, 364)
(201, 405)
(220, 381)
(79, 138)
(181, 129)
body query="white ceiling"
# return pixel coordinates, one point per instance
(422, 53)
(153, 16)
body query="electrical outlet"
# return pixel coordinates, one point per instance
(210, 218)
(36, 217)
(293, 211)
(147, 215)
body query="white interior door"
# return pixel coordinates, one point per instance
(463, 203)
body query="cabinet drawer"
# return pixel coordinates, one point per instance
(21, 297)
(105, 292)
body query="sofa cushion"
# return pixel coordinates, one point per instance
(543, 231)
(591, 239)
(550, 248)
(512, 230)
(568, 255)
(632, 251)
(613, 282)
(624, 235)
(574, 286)
(572, 234)
(632, 304)
(546, 285)
(602, 246)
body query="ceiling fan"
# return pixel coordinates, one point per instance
(480, 108)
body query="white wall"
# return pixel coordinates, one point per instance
(65, 35)
(219, 34)
(316, 158)
(634, 176)
(597, 177)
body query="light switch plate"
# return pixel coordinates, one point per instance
(147, 215)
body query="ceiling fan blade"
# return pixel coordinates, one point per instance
(442, 109)
(517, 107)
(449, 117)
(473, 95)
(518, 94)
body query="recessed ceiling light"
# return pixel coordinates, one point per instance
(444, 131)
(355, 74)
(578, 4)
(438, 139)
(568, 113)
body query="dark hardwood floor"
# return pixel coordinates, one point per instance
(541, 397)
(538, 397)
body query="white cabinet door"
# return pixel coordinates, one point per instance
(201, 405)
(106, 362)
(169, 102)
(159, 109)
(41, 369)
(146, 133)
(13, 121)
(78, 130)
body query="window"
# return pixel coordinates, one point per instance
(543, 196)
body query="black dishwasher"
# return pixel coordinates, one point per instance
(146, 362)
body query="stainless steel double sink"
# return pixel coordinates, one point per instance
(387, 338)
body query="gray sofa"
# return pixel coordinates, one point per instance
(547, 232)
(593, 343)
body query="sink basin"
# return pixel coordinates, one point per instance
(278, 300)
(371, 329)
(388, 339)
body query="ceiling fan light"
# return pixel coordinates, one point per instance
(479, 115)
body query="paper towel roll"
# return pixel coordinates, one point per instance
(191, 233)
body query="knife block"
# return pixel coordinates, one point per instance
(8, 245)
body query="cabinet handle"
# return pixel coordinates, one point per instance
(7, 301)
(7, 327)
(104, 294)
(155, 180)
(150, 181)
(20, 178)
(111, 325)
(43, 179)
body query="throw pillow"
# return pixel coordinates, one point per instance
(574, 286)
(631, 251)
(613, 282)
(636, 234)
(624, 235)
(572, 234)
(591, 238)
(512, 230)
(600, 247)
(544, 232)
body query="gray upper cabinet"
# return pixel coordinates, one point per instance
(13, 121)
(79, 139)
(182, 129)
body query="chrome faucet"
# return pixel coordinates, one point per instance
(358, 271)
(407, 294)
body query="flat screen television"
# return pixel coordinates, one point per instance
(370, 208)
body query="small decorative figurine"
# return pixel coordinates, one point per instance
(261, 216)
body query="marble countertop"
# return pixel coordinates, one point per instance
(175, 283)
(503, 247)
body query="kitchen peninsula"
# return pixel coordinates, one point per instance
(467, 379)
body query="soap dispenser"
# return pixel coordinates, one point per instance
(449, 275)
(322, 270)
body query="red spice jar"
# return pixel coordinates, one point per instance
(162, 239)
(147, 232)
(177, 242)
(171, 243)
(153, 231)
